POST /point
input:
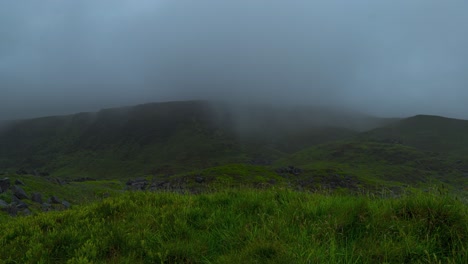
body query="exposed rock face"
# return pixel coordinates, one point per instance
(19, 192)
(36, 197)
(4, 185)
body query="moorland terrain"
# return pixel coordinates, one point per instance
(215, 182)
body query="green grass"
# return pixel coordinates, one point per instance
(74, 192)
(378, 164)
(244, 226)
(431, 133)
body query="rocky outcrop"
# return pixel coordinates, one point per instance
(66, 204)
(19, 182)
(19, 192)
(3, 204)
(20, 206)
(4, 185)
(289, 170)
(54, 200)
(137, 184)
(83, 179)
(36, 197)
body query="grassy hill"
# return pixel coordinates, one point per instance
(376, 165)
(162, 138)
(223, 183)
(431, 133)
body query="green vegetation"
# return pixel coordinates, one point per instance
(431, 133)
(263, 186)
(244, 226)
(163, 138)
(379, 164)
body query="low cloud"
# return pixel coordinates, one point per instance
(390, 58)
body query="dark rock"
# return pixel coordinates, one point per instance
(289, 170)
(263, 162)
(58, 181)
(21, 172)
(3, 204)
(83, 179)
(36, 197)
(54, 200)
(11, 209)
(19, 192)
(4, 184)
(26, 212)
(44, 174)
(160, 185)
(46, 207)
(199, 179)
(19, 182)
(137, 184)
(20, 204)
(66, 204)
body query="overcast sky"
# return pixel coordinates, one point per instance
(385, 57)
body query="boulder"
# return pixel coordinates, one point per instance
(3, 204)
(36, 197)
(19, 192)
(54, 200)
(4, 184)
(46, 207)
(11, 209)
(199, 179)
(26, 212)
(21, 172)
(20, 204)
(137, 184)
(66, 204)
(58, 181)
(19, 182)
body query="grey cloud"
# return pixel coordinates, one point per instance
(384, 57)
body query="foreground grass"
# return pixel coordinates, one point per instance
(244, 226)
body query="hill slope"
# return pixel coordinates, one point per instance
(163, 138)
(431, 133)
(373, 164)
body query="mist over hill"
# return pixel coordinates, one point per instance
(173, 132)
(387, 58)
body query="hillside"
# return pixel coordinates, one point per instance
(431, 133)
(165, 138)
(244, 226)
(370, 165)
